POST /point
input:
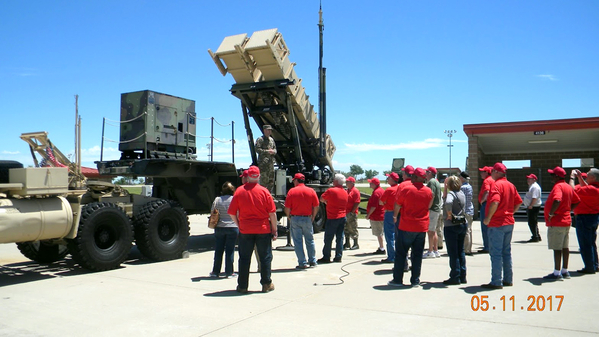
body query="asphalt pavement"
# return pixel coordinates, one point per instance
(351, 298)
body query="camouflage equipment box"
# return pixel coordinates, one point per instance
(155, 125)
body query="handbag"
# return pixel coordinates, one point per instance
(213, 218)
(458, 219)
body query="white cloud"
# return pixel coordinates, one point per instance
(548, 77)
(12, 153)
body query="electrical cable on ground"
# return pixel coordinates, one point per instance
(345, 271)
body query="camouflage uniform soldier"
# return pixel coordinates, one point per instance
(266, 149)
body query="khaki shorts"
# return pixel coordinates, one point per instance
(376, 227)
(433, 218)
(558, 238)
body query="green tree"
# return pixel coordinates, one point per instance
(387, 172)
(371, 173)
(355, 171)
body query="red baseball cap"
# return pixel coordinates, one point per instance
(299, 176)
(393, 176)
(432, 169)
(584, 175)
(531, 176)
(499, 167)
(558, 171)
(375, 181)
(485, 169)
(420, 172)
(244, 174)
(408, 169)
(350, 179)
(253, 172)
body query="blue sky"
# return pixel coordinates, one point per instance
(399, 73)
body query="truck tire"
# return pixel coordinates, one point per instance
(320, 219)
(161, 230)
(5, 165)
(43, 251)
(104, 238)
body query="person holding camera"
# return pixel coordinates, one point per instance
(454, 230)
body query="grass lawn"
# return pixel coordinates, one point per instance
(133, 189)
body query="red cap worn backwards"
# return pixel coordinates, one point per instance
(299, 176)
(420, 172)
(531, 176)
(244, 174)
(253, 172)
(350, 179)
(558, 171)
(375, 181)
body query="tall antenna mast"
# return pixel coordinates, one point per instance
(322, 99)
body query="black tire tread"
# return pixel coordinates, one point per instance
(45, 253)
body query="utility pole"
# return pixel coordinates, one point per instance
(450, 134)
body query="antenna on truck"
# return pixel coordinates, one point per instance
(322, 99)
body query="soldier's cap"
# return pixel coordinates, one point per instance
(267, 127)
(420, 172)
(299, 176)
(408, 169)
(558, 171)
(375, 181)
(244, 174)
(350, 180)
(393, 176)
(465, 175)
(432, 169)
(486, 169)
(531, 176)
(499, 167)
(253, 172)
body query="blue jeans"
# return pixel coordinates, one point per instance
(225, 242)
(301, 226)
(454, 240)
(390, 228)
(483, 227)
(500, 250)
(586, 232)
(403, 242)
(263, 243)
(333, 227)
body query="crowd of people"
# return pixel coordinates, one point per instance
(415, 206)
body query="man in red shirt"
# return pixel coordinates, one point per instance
(587, 217)
(376, 213)
(502, 201)
(301, 207)
(560, 202)
(389, 226)
(353, 202)
(336, 200)
(253, 210)
(414, 201)
(485, 174)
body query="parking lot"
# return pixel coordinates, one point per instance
(351, 298)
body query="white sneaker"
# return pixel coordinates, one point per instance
(428, 255)
(436, 252)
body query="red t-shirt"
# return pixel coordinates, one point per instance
(373, 201)
(301, 200)
(565, 193)
(252, 204)
(589, 199)
(399, 190)
(353, 197)
(414, 200)
(487, 184)
(388, 197)
(505, 193)
(336, 198)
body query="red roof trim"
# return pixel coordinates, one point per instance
(547, 125)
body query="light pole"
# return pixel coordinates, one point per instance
(450, 134)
